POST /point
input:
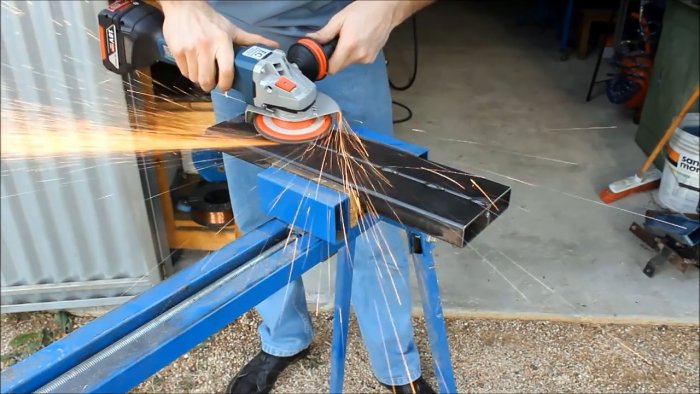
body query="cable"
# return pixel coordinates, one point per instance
(408, 110)
(415, 60)
(413, 76)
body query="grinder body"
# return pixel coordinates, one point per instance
(131, 37)
(283, 103)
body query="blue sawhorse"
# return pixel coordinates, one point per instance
(421, 251)
(122, 348)
(274, 185)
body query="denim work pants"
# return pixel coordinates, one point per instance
(381, 294)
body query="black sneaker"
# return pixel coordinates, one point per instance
(261, 373)
(418, 386)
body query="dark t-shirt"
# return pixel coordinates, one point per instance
(282, 20)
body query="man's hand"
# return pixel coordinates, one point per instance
(363, 27)
(200, 39)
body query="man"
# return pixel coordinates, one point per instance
(200, 36)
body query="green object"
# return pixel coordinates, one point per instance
(63, 320)
(25, 344)
(30, 340)
(674, 75)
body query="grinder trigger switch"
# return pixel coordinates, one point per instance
(285, 84)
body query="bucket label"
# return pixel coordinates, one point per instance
(688, 164)
(685, 168)
(680, 182)
(685, 164)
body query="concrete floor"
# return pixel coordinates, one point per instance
(494, 99)
(522, 117)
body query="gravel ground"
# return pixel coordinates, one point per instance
(488, 356)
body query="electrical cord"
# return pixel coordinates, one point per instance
(409, 113)
(415, 60)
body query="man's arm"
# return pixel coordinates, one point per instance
(200, 39)
(404, 9)
(363, 27)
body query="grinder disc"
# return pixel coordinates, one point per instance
(292, 132)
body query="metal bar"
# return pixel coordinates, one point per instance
(132, 359)
(341, 315)
(648, 238)
(443, 202)
(599, 59)
(432, 311)
(594, 77)
(106, 284)
(50, 362)
(660, 258)
(67, 304)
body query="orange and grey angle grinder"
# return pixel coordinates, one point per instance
(284, 104)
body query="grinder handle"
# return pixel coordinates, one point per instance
(311, 57)
(329, 48)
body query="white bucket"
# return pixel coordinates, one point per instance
(680, 182)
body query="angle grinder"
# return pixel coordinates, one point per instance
(284, 104)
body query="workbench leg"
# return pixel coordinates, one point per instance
(341, 316)
(432, 310)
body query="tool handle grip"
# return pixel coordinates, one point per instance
(329, 47)
(311, 57)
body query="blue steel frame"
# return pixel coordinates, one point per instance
(422, 252)
(318, 210)
(195, 318)
(45, 365)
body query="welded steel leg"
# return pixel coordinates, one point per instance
(432, 310)
(343, 291)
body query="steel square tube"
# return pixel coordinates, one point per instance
(305, 205)
(440, 201)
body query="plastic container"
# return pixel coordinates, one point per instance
(680, 182)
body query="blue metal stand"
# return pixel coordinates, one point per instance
(341, 315)
(119, 350)
(422, 252)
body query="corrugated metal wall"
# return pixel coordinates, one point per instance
(75, 230)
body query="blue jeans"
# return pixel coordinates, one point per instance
(381, 295)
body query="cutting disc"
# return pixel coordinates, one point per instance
(292, 132)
